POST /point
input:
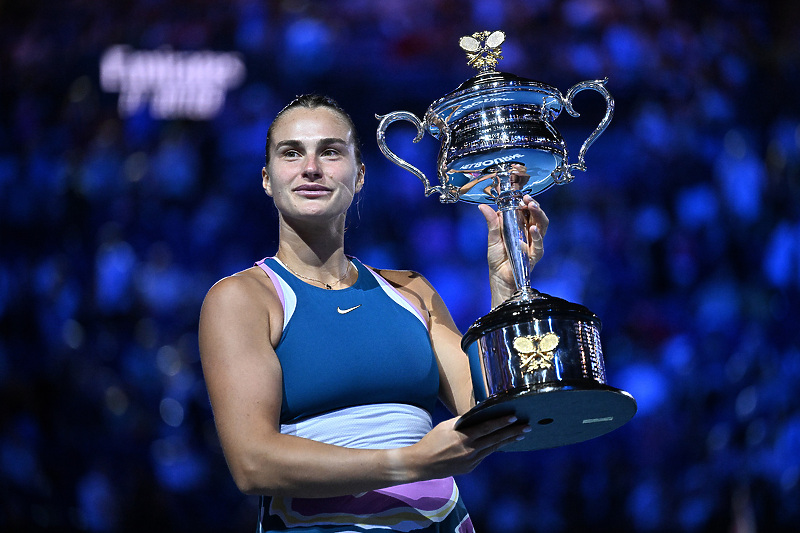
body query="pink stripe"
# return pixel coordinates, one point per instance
(274, 277)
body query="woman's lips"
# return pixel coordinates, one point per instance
(312, 191)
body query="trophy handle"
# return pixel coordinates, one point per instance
(598, 86)
(446, 193)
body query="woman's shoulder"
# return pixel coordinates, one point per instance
(247, 296)
(249, 287)
(409, 280)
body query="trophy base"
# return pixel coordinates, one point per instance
(559, 414)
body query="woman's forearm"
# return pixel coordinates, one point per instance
(286, 465)
(293, 466)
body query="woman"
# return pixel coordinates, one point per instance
(322, 372)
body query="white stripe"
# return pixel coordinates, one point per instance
(290, 298)
(398, 298)
(376, 426)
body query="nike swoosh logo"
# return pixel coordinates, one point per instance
(345, 311)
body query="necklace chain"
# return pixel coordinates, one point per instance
(327, 286)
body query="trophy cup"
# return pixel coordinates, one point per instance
(540, 356)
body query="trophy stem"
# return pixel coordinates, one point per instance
(515, 233)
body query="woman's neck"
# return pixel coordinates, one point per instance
(316, 253)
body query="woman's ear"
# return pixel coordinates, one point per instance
(265, 181)
(360, 177)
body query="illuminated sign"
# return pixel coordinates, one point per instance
(173, 84)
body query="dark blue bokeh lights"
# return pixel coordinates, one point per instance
(683, 236)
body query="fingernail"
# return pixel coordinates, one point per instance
(527, 429)
(520, 437)
(512, 419)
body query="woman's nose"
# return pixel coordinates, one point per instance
(312, 168)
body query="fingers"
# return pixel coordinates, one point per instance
(536, 244)
(491, 435)
(537, 227)
(499, 445)
(538, 222)
(535, 213)
(492, 219)
(489, 426)
(446, 451)
(494, 223)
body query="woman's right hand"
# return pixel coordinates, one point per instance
(447, 451)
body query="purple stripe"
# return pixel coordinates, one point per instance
(425, 496)
(274, 277)
(369, 504)
(465, 526)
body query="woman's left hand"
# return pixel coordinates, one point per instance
(501, 274)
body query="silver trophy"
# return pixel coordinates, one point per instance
(540, 356)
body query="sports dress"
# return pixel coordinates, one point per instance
(358, 371)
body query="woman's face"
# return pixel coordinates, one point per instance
(312, 171)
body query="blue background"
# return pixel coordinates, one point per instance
(683, 236)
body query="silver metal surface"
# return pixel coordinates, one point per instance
(579, 355)
(540, 357)
(497, 118)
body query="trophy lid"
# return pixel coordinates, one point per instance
(491, 88)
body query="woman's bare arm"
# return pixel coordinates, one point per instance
(239, 324)
(455, 383)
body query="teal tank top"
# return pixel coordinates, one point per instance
(365, 344)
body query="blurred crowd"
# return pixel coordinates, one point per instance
(683, 236)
